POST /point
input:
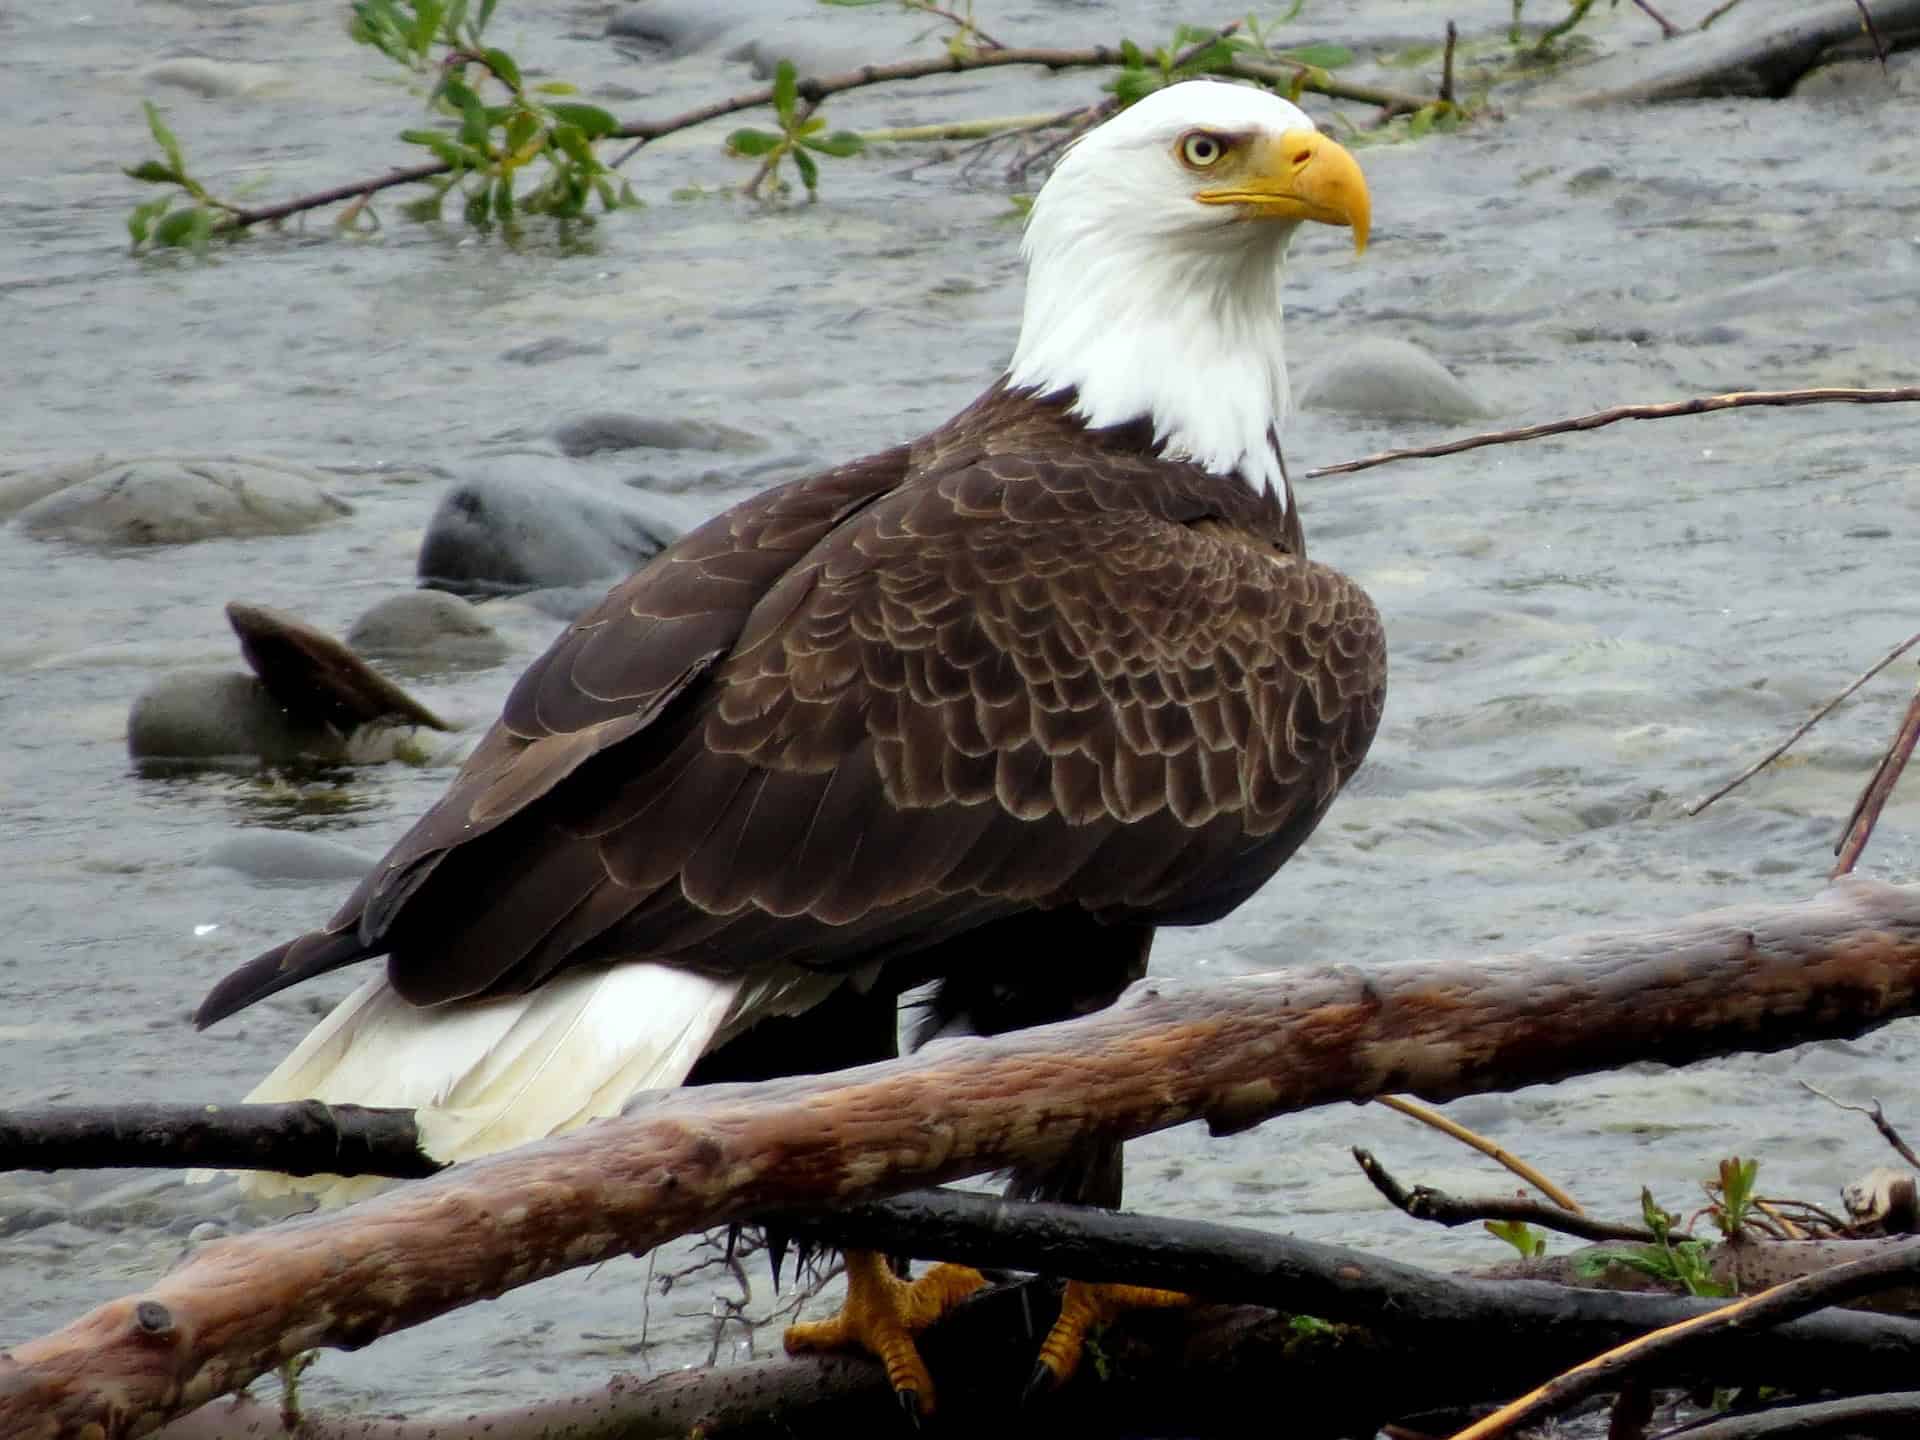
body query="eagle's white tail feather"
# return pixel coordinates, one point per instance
(590, 1040)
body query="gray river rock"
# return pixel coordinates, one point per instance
(169, 499)
(1586, 632)
(528, 523)
(426, 630)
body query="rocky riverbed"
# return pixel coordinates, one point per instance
(1587, 633)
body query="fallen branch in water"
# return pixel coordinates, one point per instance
(1665, 410)
(1231, 1053)
(815, 89)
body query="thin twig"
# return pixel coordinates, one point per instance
(964, 22)
(1875, 1114)
(1423, 1202)
(1446, 65)
(1286, 73)
(1698, 405)
(1717, 11)
(1873, 799)
(1873, 31)
(1886, 1270)
(1667, 28)
(1806, 725)
(1485, 1146)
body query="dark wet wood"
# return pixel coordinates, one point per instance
(303, 1137)
(316, 677)
(1231, 1053)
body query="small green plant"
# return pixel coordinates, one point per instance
(1685, 1263)
(1308, 1327)
(1732, 1195)
(1197, 50)
(1521, 1236)
(801, 136)
(1544, 44)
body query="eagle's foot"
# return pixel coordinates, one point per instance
(883, 1314)
(1083, 1308)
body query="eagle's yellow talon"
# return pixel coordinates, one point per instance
(882, 1314)
(1085, 1307)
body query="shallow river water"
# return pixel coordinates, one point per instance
(1586, 633)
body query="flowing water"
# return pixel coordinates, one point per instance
(1586, 633)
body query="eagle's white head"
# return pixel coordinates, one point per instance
(1154, 254)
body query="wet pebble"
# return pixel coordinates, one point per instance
(288, 857)
(531, 525)
(169, 499)
(1390, 379)
(213, 79)
(428, 629)
(616, 430)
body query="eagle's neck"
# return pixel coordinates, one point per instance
(1187, 337)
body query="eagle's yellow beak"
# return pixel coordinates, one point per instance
(1301, 175)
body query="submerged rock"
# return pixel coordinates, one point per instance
(535, 528)
(1390, 380)
(428, 629)
(214, 79)
(289, 857)
(168, 499)
(616, 430)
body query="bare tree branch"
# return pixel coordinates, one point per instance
(1699, 405)
(1425, 1203)
(1873, 799)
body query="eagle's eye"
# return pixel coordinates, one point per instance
(1200, 150)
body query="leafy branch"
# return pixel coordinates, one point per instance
(482, 147)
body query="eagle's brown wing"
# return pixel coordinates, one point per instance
(868, 713)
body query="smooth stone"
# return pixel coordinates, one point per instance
(222, 715)
(171, 500)
(1390, 379)
(316, 678)
(682, 27)
(531, 524)
(288, 857)
(616, 430)
(428, 628)
(213, 79)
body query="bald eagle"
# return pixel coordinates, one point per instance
(981, 711)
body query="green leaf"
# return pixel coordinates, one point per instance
(575, 146)
(1131, 85)
(520, 129)
(556, 87)
(177, 228)
(473, 121)
(426, 24)
(593, 122)
(811, 127)
(786, 91)
(1130, 52)
(1421, 122)
(1327, 57)
(140, 221)
(502, 65)
(841, 143)
(503, 197)
(809, 170)
(427, 207)
(476, 208)
(752, 142)
(164, 137)
(486, 14)
(154, 173)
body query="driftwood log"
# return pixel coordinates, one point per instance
(1231, 1053)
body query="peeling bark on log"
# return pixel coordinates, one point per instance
(1231, 1053)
